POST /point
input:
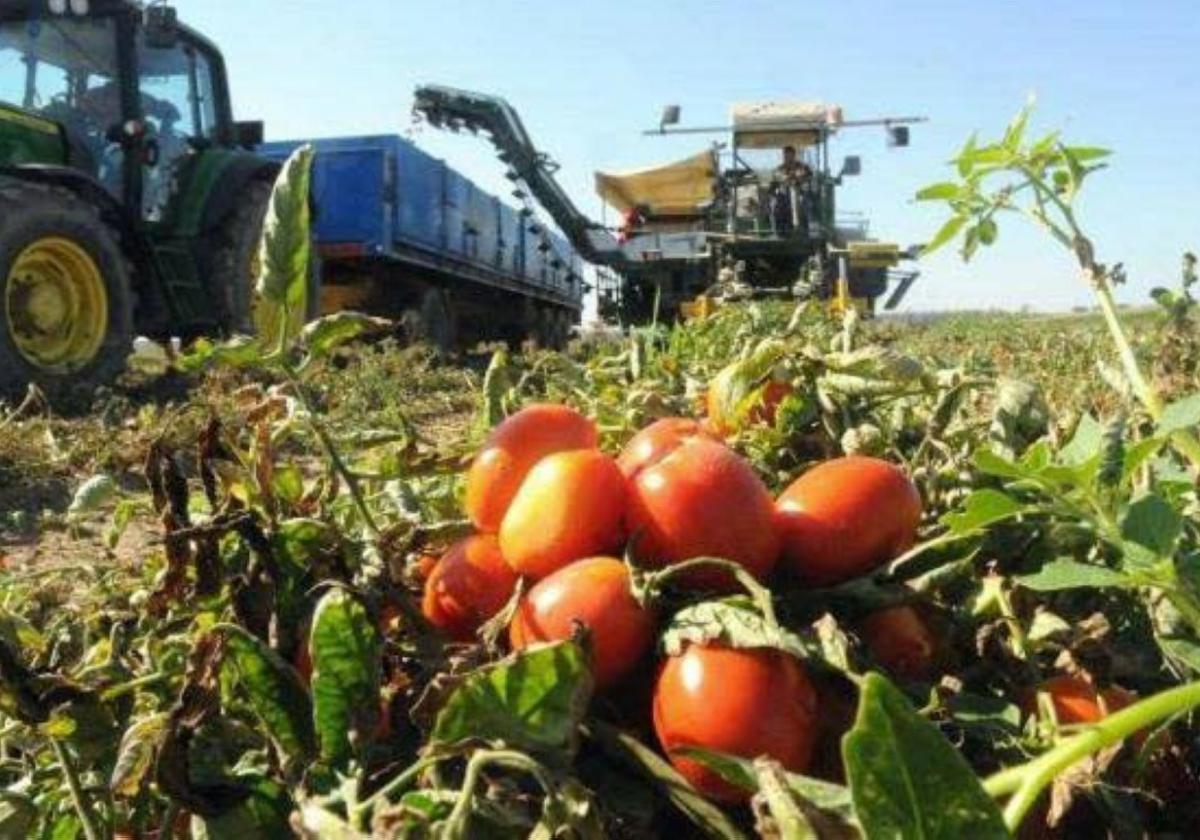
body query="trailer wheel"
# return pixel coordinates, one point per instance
(67, 322)
(432, 322)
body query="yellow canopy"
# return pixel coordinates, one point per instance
(682, 188)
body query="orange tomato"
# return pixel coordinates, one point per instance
(594, 592)
(512, 450)
(703, 500)
(469, 585)
(570, 506)
(846, 517)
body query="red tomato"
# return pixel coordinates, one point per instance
(512, 450)
(469, 585)
(656, 441)
(570, 506)
(703, 500)
(594, 592)
(901, 640)
(747, 703)
(845, 517)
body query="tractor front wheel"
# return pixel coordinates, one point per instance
(66, 307)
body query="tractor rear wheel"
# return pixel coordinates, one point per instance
(235, 266)
(66, 306)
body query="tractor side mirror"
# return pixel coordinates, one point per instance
(851, 166)
(162, 27)
(248, 135)
(897, 136)
(670, 116)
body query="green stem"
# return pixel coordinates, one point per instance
(133, 685)
(396, 785)
(335, 457)
(86, 818)
(1027, 781)
(457, 824)
(167, 830)
(759, 593)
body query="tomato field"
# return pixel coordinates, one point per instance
(771, 573)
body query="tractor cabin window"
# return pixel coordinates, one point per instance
(66, 71)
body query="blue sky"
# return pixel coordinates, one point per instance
(587, 77)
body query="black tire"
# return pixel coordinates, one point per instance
(234, 248)
(432, 322)
(32, 212)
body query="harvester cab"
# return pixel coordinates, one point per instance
(129, 199)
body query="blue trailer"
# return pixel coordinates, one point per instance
(402, 234)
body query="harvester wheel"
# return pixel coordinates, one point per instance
(235, 262)
(66, 307)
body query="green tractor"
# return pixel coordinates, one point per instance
(130, 202)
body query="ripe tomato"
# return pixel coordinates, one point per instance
(570, 506)
(901, 640)
(656, 441)
(703, 500)
(511, 451)
(745, 702)
(469, 585)
(1076, 701)
(594, 592)
(845, 517)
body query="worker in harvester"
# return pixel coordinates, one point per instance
(631, 224)
(789, 194)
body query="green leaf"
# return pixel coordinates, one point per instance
(966, 158)
(907, 780)
(238, 352)
(981, 509)
(325, 334)
(135, 756)
(939, 192)
(629, 750)
(346, 656)
(1085, 445)
(1153, 523)
(1179, 416)
(740, 772)
(1085, 154)
(1065, 573)
(790, 821)
(732, 392)
(734, 622)
(275, 691)
(1015, 133)
(945, 235)
(285, 254)
(532, 701)
(992, 463)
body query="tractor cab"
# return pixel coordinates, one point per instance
(115, 113)
(135, 94)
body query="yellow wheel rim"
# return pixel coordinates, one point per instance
(56, 305)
